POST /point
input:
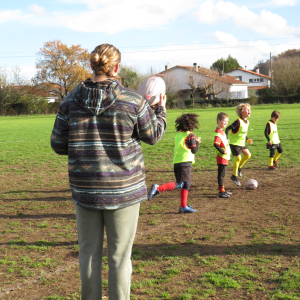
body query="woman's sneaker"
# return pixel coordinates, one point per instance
(186, 209)
(153, 192)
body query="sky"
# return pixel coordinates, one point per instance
(150, 34)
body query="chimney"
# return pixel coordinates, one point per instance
(166, 67)
(195, 67)
(245, 67)
(257, 70)
(198, 68)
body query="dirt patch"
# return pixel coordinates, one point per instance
(175, 256)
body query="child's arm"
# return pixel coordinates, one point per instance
(234, 127)
(267, 133)
(192, 142)
(217, 145)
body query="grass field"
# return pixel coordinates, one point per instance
(243, 248)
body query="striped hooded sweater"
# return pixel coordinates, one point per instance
(99, 125)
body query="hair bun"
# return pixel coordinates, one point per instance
(95, 58)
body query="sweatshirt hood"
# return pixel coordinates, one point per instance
(96, 97)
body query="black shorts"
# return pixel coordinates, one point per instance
(273, 148)
(237, 150)
(182, 173)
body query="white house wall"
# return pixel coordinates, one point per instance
(177, 79)
(239, 91)
(246, 76)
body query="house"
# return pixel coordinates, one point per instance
(51, 91)
(198, 82)
(256, 80)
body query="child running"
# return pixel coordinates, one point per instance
(273, 141)
(237, 136)
(223, 152)
(186, 145)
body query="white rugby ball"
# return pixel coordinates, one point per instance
(151, 88)
(251, 184)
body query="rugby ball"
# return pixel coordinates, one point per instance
(251, 184)
(151, 88)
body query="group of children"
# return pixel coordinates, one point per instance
(233, 140)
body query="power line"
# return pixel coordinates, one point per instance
(165, 45)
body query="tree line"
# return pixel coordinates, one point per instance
(60, 68)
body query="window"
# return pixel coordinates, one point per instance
(238, 78)
(256, 80)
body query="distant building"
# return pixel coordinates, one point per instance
(256, 80)
(198, 82)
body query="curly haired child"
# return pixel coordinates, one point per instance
(186, 145)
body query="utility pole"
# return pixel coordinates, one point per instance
(271, 69)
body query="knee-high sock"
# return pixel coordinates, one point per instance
(183, 195)
(166, 187)
(277, 156)
(236, 164)
(271, 159)
(222, 189)
(244, 159)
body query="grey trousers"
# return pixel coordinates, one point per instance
(120, 227)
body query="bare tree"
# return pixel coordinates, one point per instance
(213, 85)
(13, 87)
(286, 75)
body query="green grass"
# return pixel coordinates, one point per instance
(25, 140)
(205, 158)
(159, 263)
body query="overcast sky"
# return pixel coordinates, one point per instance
(151, 34)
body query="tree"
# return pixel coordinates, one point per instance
(286, 75)
(130, 78)
(13, 88)
(229, 64)
(263, 66)
(61, 68)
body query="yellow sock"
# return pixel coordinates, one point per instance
(277, 156)
(271, 159)
(244, 159)
(236, 164)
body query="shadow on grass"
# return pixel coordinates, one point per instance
(187, 250)
(44, 192)
(43, 216)
(39, 199)
(146, 252)
(40, 243)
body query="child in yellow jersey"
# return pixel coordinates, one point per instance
(186, 145)
(273, 141)
(236, 134)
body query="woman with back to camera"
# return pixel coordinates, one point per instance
(99, 125)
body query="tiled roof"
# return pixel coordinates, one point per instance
(251, 72)
(257, 87)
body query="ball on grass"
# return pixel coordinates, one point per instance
(251, 184)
